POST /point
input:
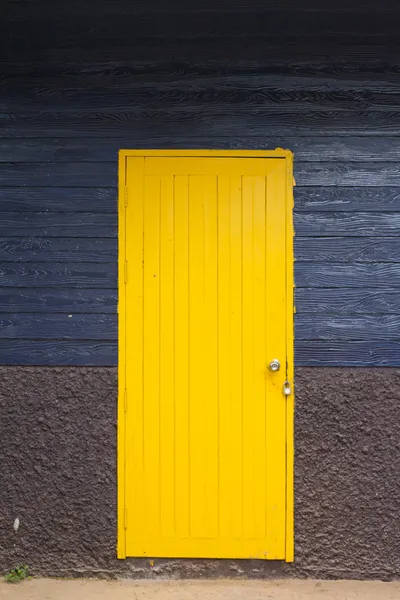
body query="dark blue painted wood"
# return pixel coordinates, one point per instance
(104, 174)
(349, 199)
(52, 300)
(73, 174)
(66, 326)
(344, 275)
(76, 200)
(59, 352)
(347, 224)
(218, 121)
(347, 249)
(80, 81)
(55, 249)
(369, 328)
(60, 275)
(58, 224)
(313, 149)
(347, 301)
(347, 353)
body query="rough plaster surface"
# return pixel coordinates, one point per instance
(39, 589)
(58, 476)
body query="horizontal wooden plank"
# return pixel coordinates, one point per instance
(347, 301)
(349, 57)
(54, 224)
(341, 275)
(314, 149)
(343, 224)
(217, 121)
(347, 249)
(47, 8)
(59, 352)
(58, 326)
(351, 174)
(270, 92)
(100, 353)
(55, 249)
(340, 328)
(65, 150)
(92, 28)
(91, 275)
(349, 199)
(33, 199)
(73, 174)
(347, 353)
(104, 174)
(58, 300)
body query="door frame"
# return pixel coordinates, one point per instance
(286, 155)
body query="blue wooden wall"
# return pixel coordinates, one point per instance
(81, 79)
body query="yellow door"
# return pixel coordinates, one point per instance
(205, 311)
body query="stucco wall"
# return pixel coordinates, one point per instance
(58, 466)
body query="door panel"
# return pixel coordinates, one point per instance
(205, 467)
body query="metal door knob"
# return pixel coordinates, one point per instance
(274, 365)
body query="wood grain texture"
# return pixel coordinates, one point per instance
(347, 353)
(76, 200)
(55, 175)
(91, 275)
(58, 352)
(55, 300)
(352, 58)
(342, 224)
(347, 301)
(354, 327)
(46, 8)
(349, 199)
(104, 174)
(216, 120)
(348, 174)
(58, 224)
(313, 149)
(53, 249)
(80, 81)
(58, 326)
(180, 26)
(342, 275)
(347, 249)
(293, 93)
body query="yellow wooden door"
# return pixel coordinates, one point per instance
(205, 313)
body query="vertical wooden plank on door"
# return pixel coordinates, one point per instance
(276, 348)
(259, 399)
(248, 325)
(198, 515)
(167, 346)
(134, 353)
(209, 363)
(229, 355)
(235, 356)
(203, 356)
(181, 371)
(225, 457)
(151, 355)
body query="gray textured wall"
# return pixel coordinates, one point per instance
(58, 452)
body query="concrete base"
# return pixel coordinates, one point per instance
(58, 465)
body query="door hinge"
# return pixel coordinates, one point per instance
(126, 195)
(126, 517)
(125, 400)
(126, 271)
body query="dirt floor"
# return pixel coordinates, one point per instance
(80, 589)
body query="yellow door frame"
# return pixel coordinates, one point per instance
(122, 202)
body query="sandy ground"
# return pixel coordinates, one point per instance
(80, 589)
